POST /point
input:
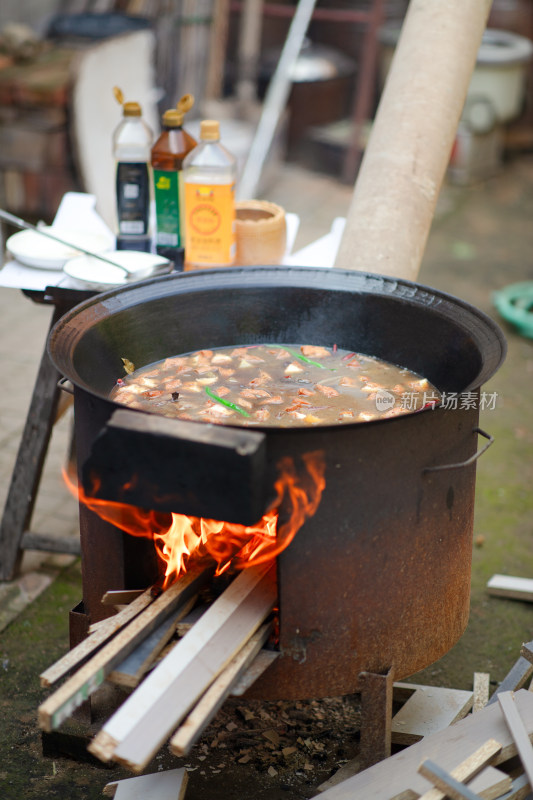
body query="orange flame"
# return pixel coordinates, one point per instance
(181, 540)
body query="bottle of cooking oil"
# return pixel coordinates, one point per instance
(132, 140)
(168, 153)
(209, 174)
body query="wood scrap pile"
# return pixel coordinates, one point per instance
(487, 754)
(184, 689)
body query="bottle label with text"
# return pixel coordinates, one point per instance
(210, 226)
(168, 205)
(133, 197)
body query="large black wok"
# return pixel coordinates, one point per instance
(379, 577)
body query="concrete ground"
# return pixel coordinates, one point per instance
(481, 240)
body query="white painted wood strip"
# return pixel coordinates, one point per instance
(169, 785)
(208, 705)
(106, 629)
(511, 587)
(151, 731)
(179, 660)
(518, 732)
(428, 710)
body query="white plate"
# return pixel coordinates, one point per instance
(34, 250)
(95, 274)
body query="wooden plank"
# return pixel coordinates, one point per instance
(468, 768)
(105, 631)
(50, 544)
(398, 774)
(260, 664)
(518, 732)
(445, 782)
(429, 709)
(526, 651)
(208, 705)
(60, 705)
(519, 790)
(191, 619)
(169, 785)
(511, 587)
(135, 732)
(130, 672)
(489, 784)
(515, 679)
(120, 597)
(481, 690)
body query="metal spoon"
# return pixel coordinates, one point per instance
(20, 223)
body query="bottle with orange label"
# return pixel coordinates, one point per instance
(209, 173)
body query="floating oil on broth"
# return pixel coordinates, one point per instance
(275, 385)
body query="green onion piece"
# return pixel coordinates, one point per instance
(304, 358)
(226, 403)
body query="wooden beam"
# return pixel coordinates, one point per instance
(106, 629)
(397, 775)
(208, 705)
(136, 731)
(518, 732)
(469, 767)
(60, 705)
(169, 785)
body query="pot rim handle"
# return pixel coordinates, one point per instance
(65, 385)
(468, 461)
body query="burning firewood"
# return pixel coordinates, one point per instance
(141, 725)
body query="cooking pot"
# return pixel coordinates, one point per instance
(379, 577)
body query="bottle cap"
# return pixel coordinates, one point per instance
(184, 104)
(128, 109)
(131, 110)
(209, 130)
(172, 118)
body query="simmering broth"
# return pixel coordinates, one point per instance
(275, 385)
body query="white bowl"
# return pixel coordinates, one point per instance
(34, 250)
(92, 273)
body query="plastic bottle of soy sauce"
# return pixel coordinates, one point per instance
(209, 174)
(132, 141)
(167, 157)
